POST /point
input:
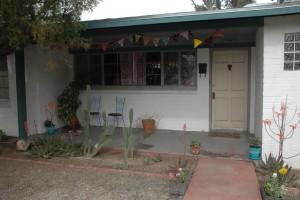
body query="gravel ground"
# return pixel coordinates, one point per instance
(30, 180)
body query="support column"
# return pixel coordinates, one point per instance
(21, 92)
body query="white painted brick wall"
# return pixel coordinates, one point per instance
(175, 107)
(279, 83)
(8, 109)
(43, 86)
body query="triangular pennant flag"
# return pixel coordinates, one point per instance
(209, 41)
(165, 40)
(104, 46)
(185, 34)
(130, 38)
(137, 38)
(155, 41)
(175, 37)
(191, 34)
(146, 40)
(218, 33)
(197, 42)
(121, 42)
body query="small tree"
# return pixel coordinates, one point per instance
(281, 127)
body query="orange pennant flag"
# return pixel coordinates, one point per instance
(104, 46)
(146, 40)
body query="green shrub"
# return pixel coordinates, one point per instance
(49, 147)
(68, 102)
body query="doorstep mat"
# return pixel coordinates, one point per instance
(224, 134)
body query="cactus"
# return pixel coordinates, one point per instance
(128, 140)
(84, 118)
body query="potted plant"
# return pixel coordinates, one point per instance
(68, 102)
(255, 148)
(74, 126)
(195, 147)
(148, 122)
(50, 112)
(50, 126)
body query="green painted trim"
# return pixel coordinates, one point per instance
(176, 27)
(21, 92)
(248, 12)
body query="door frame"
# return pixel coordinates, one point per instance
(248, 49)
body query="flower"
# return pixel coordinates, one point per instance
(283, 171)
(178, 175)
(274, 175)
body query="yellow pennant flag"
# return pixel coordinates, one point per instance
(197, 42)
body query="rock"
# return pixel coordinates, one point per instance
(292, 192)
(22, 145)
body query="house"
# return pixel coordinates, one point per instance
(220, 69)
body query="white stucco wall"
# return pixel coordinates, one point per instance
(278, 84)
(8, 108)
(174, 107)
(42, 85)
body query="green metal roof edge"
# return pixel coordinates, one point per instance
(257, 11)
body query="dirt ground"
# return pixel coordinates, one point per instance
(85, 178)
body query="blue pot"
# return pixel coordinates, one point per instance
(51, 130)
(255, 153)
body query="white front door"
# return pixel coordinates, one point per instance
(229, 87)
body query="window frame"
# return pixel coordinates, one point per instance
(3, 59)
(162, 85)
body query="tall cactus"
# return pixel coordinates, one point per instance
(128, 140)
(84, 118)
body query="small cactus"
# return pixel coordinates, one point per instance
(128, 140)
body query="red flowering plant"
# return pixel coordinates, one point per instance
(282, 127)
(179, 173)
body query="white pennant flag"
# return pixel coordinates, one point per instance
(155, 41)
(121, 42)
(185, 34)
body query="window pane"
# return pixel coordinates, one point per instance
(111, 69)
(4, 83)
(171, 68)
(139, 77)
(95, 69)
(188, 68)
(153, 68)
(126, 68)
(81, 68)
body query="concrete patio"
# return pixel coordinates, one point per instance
(175, 142)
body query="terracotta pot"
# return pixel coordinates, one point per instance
(195, 150)
(149, 126)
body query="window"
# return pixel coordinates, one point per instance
(292, 51)
(174, 68)
(4, 87)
